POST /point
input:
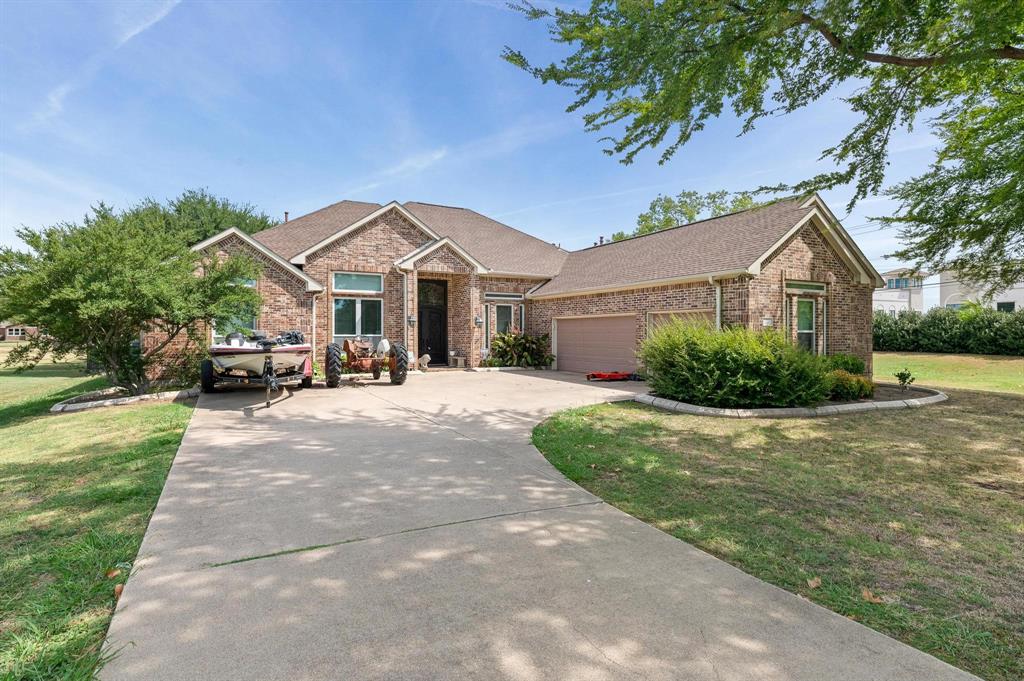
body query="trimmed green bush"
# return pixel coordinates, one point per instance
(850, 363)
(844, 385)
(971, 329)
(735, 367)
(519, 350)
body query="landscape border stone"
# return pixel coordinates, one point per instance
(76, 403)
(933, 397)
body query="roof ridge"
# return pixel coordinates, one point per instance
(696, 222)
(318, 210)
(439, 205)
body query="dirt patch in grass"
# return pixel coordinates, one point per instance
(923, 509)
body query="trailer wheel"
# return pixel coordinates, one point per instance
(333, 366)
(207, 379)
(398, 364)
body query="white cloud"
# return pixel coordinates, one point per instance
(129, 23)
(408, 166)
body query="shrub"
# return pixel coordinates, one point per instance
(850, 363)
(904, 377)
(844, 385)
(519, 350)
(973, 329)
(735, 367)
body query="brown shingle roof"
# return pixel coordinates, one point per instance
(727, 243)
(499, 247)
(288, 239)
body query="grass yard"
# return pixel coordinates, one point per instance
(911, 522)
(76, 493)
(973, 372)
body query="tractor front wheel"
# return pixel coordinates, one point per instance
(398, 363)
(333, 365)
(207, 379)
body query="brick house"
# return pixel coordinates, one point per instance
(12, 331)
(444, 280)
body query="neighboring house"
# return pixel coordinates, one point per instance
(11, 331)
(953, 294)
(903, 292)
(445, 280)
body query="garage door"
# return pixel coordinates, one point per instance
(596, 344)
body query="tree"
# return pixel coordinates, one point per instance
(658, 71)
(686, 207)
(95, 287)
(199, 215)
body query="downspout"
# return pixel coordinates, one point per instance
(405, 308)
(718, 303)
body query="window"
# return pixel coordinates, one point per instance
(243, 324)
(358, 317)
(503, 318)
(805, 287)
(522, 319)
(493, 295)
(891, 283)
(1006, 307)
(805, 324)
(487, 326)
(954, 306)
(355, 281)
(18, 332)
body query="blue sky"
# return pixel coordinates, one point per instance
(292, 106)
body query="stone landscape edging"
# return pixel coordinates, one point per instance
(792, 412)
(76, 403)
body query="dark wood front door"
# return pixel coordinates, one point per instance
(433, 313)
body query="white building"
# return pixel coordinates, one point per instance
(903, 292)
(953, 294)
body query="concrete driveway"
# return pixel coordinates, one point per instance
(413, 532)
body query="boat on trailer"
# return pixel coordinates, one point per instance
(257, 360)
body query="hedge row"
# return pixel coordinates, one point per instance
(974, 329)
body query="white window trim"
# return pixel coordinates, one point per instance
(380, 278)
(497, 295)
(359, 318)
(511, 315)
(12, 331)
(487, 326)
(814, 323)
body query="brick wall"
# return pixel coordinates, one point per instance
(808, 257)
(374, 248)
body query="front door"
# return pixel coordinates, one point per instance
(432, 306)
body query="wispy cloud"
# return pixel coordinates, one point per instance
(408, 166)
(131, 20)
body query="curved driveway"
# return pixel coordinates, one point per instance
(413, 532)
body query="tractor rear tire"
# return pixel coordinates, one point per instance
(399, 364)
(333, 366)
(207, 379)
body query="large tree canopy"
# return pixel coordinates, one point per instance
(651, 74)
(686, 207)
(199, 215)
(94, 287)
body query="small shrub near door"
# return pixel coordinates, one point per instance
(848, 363)
(519, 350)
(732, 368)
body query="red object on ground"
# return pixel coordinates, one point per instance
(609, 376)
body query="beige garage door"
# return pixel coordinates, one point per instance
(596, 344)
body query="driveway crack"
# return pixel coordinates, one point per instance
(384, 535)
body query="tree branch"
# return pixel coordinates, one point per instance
(1004, 52)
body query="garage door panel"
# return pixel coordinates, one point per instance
(597, 344)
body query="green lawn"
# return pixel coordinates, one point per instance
(922, 508)
(77, 492)
(974, 372)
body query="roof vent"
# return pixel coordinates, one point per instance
(286, 216)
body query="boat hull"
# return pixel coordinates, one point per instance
(287, 359)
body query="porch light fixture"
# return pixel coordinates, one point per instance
(478, 321)
(411, 319)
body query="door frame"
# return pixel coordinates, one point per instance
(444, 317)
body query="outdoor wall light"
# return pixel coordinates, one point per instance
(411, 319)
(477, 320)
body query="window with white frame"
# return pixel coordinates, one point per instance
(358, 282)
(522, 319)
(805, 336)
(503, 318)
(15, 332)
(358, 317)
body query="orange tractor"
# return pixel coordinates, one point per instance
(359, 356)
